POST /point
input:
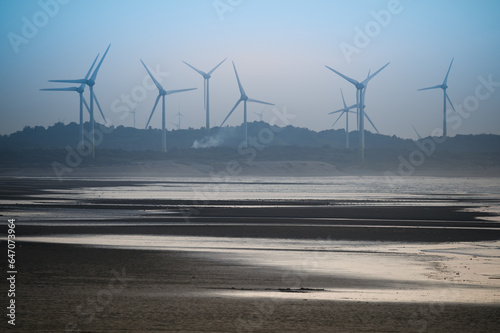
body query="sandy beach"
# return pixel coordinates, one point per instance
(76, 288)
(111, 263)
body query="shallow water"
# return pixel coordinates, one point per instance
(339, 188)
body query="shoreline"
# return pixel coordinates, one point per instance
(285, 168)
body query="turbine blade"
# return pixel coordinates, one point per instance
(86, 105)
(354, 106)
(170, 92)
(234, 107)
(448, 73)
(257, 101)
(343, 76)
(197, 70)
(158, 85)
(91, 67)
(373, 75)
(94, 75)
(418, 134)
(209, 73)
(429, 88)
(242, 91)
(61, 89)
(337, 111)
(371, 122)
(70, 81)
(99, 107)
(343, 100)
(338, 119)
(449, 100)
(153, 111)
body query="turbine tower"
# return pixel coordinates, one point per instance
(245, 99)
(162, 93)
(360, 102)
(90, 82)
(206, 91)
(443, 86)
(80, 89)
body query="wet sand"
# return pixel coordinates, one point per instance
(96, 290)
(99, 289)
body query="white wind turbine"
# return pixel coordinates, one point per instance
(90, 82)
(260, 114)
(162, 93)
(245, 99)
(360, 102)
(80, 89)
(206, 91)
(179, 115)
(443, 86)
(346, 110)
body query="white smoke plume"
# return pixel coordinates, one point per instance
(215, 140)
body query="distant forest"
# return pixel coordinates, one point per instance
(39, 147)
(261, 134)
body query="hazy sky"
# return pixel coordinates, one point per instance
(280, 49)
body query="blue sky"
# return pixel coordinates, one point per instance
(280, 49)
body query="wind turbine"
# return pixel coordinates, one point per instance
(261, 114)
(350, 108)
(360, 102)
(80, 89)
(179, 115)
(206, 90)
(162, 93)
(90, 82)
(245, 99)
(443, 86)
(346, 110)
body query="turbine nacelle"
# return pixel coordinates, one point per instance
(244, 97)
(360, 86)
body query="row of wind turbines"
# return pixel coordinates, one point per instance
(89, 80)
(360, 105)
